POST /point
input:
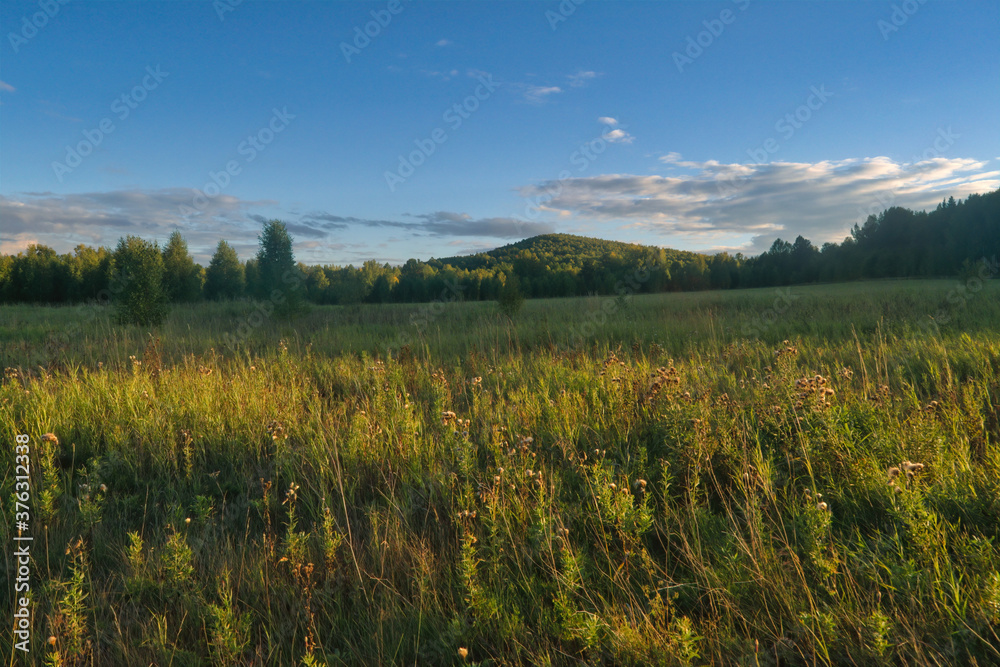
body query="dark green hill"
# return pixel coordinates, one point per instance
(563, 251)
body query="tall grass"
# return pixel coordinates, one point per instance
(664, 491)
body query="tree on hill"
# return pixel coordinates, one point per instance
(225, 277)
(182, 278)
(279, 278)
(141, 298)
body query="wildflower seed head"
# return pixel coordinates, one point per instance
(187, 520)
(822, 506)
(463, 652)
(52, 640)
(893, 472)
(50, 437)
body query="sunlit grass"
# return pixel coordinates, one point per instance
(666, 491)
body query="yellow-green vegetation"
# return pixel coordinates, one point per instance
(684, 482)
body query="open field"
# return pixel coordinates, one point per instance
(698, 478)
(680, 323)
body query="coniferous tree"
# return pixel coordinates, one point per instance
(280, 279)
(182, 278)
(225, 277)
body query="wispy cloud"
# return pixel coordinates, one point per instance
(581, 78)
(538, 94)
(443, 75)
(733, 202)
(6, 87)
(100, 218)
(58, 116)
(438, 223)
(443, 42)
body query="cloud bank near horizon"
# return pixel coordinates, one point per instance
(725, 204)
(737, 207)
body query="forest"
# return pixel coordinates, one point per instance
(896, 243)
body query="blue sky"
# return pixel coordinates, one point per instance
(462, 126)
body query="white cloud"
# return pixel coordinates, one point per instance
(539, 93)
(6, 87)
(100, 218)
(443, 42)
(820, 201)
(581, 78)
(618, 136)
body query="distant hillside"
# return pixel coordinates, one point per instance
(958, 237)
(562, 250)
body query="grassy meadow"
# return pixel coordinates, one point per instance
(804, 476)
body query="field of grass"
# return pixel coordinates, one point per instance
(808, 477)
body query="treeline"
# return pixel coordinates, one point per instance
(896, 243)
